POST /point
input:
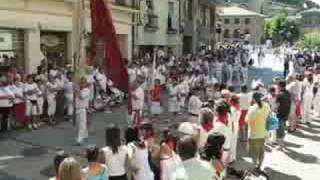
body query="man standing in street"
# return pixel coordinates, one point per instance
(284, 103)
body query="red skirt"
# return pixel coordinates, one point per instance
(298, 110)
(20, 114)
(242, 120)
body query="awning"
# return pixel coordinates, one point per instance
(10, 19)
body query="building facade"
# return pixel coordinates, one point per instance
(158, 26)
(32, 29)
(311, 20)
(239, 24)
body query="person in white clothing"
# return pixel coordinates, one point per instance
(115, 154)
(91, 83)
(174, 97)
(183, 89)
(82, 96)
(205, 128)
(307, 97)
(235, 112)
(68, 94)
(101, 83)
(52, 89)
(40, 98)
(30, 91)
(137, 103)
(194, 106)
(244, 100)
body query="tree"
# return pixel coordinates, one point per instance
(280, 29)
(310, 40)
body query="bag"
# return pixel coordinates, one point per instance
(272, 122)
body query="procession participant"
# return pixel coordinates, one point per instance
(307, 96)
(82, 95)
(52, 89)
(219, 71)
(137, 102)
(40, 99)
(6, 103)
(316, 99)
(244, 100)
(293, 89)
(156, 93)
(222, 124)
(19, 103)
(101, 79)
(183, 88)
(30, 90)
(174, 97)
(91, 84)
(194, 106)
(68, 94)
(229, 72)
(234, 118)
(236, 77)
(205, 128)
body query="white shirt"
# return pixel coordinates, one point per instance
(102, 80)
(137, 103)
(31, 87)
(82, 101)
(52, 87)
(116, 163)
(225, 131)
(244, 100)
(5, 91)
(17, 91)
(194, 105)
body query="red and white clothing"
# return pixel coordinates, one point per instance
(31, 91)
(137, 105)
(82, 104)
(173, 101)
(155, 94)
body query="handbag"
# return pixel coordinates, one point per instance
(272, 122)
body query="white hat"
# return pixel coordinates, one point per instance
(186, 128)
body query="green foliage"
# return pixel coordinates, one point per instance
(280, 29)
(310, 40)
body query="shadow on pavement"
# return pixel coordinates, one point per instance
(290, 144)
(34, 151)
(310, 129)
(304, 158)
(5, 176)
(303, 135)
(276, 175)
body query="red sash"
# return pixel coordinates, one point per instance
(137, 118)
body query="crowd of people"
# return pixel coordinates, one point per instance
(211, 91)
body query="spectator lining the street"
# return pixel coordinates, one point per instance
(56, 163)
(95, 170)
(69, 169)
(115, 154)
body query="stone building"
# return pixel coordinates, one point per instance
(239, 24)
(311, 20)
(31, 28)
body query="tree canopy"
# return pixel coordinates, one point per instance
(310, 40)
(281, 29)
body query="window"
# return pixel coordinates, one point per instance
(236, 33)
(246, 31)
(226, 21)
(171, 16)
(237, 21)
(247, 21)
(226, 33)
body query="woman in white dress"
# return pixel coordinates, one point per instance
(68, 94)
(174, 106)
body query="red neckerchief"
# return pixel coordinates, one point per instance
(235, 105)
(207, 126)
(223, 119)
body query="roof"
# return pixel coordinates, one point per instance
(311, 11)
(236, 11)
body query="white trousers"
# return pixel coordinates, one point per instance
(69, 104)
(234, 143)
(306, 114)
(81, 115)
(52, 104)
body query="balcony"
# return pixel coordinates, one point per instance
(152, 23)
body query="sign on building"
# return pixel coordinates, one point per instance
(5, 41)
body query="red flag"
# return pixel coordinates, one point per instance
(103, 32)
